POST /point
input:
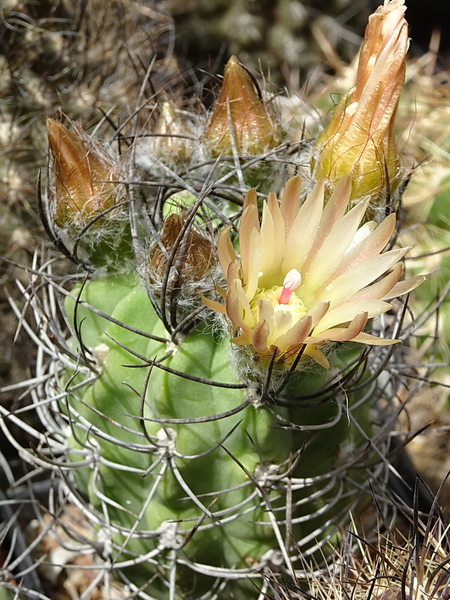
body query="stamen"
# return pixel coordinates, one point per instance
(290, 283)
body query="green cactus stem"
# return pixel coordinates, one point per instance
(187, 466)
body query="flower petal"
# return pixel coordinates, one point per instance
(369, 246)
(265, 311)
(272, 247)
(235, 308)
(216, 306)
(254, 263)
(333, 248)
(345, 334)
(317, 355)
(404, 287)
(290, 201)
(351, 282)
(380, 288)
(303, 232)
(260, 335)
(346, 312)
(282, 322)
(225, 249)
(318, 311)
(296, 334)
(373, 340)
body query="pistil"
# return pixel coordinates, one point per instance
(290, 283)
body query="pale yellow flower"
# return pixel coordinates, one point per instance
(360, 137)
(308, 274)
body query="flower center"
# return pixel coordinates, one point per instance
(282, 298)
(290, 283)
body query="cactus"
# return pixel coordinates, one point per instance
(214, 401)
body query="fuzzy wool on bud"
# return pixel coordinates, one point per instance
(240, 116)
(84, 187)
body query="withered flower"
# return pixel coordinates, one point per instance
(84, 187)
(184, 257)
(239, 115)
(308, 274)
(360, 138)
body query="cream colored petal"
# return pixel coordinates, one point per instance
(266, 312)
(250, 198)
(249, 223)
(282, 322)
(351, 282)
(318, 311)
(371, 245)
(344, 334)
(242, 340)
(215, 306)
(232, 273)
(404, 287)
(234, 311)
(366, 338)
(290, 200)
(277, 217)
(221, 291)
(273, 248)
(254, 263)
(243, 301)
(225, 249)
(347, 311)
(317, 355)
(296, 334)
(260, 335)
(363, 232)
(333, 248)
(379, 289)
(267, 226)
(304, 229)
(336, 206)
(239, 315)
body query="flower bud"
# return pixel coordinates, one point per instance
(171, 142)
(83, 179)
(185, 259)
(240, 115)
(360, 138)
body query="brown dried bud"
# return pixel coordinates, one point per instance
(190, 261)
(239, 113)
(83, 178)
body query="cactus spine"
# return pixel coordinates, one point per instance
(214, 451)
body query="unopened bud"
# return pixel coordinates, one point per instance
(172, 140)
(239, 115)
(185, 259)
(83, 188)
(360, 138)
